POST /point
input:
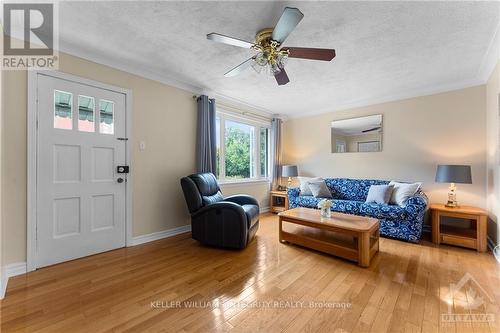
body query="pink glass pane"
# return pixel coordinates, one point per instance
(63, 110)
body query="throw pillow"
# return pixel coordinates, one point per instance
(304, 186)
(402, 191)
(380, 194)
(319, 189)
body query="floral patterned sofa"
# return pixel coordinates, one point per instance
(349, 195)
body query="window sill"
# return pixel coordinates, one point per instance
(244, 182)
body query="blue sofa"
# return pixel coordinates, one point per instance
(349, 195)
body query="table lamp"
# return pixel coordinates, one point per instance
(289, 171)
(453, 174)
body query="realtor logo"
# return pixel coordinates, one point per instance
(468, 295)
(29, 39)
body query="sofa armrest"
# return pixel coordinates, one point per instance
(417, 204)
(293, 191)
(242, 199)
(293, 195)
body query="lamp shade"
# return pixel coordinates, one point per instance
(289, 171)
(453, 174)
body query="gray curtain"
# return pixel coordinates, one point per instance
(275, 152)
(206, 144)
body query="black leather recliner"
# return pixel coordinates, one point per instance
(227, 222)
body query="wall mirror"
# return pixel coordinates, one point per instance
(363, 134)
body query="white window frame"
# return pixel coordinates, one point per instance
(257, 125)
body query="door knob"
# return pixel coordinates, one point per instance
(120, 180)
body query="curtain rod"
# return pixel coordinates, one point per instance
(244, 113)
(196, 97)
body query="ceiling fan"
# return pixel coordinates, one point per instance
(271, 55)
(371, 129)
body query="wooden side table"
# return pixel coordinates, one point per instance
(278, 201)
(473, 237)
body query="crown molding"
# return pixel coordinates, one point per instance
(402, 95)
(487, 66)
(491, 57)
(169, 80)
(129, 68)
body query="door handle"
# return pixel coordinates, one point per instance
(120, 180)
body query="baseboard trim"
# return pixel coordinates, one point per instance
(14, 269)
(138, 240)
(9, 271)
(19, 268)
(160, 235)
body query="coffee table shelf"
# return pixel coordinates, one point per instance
(351, 237)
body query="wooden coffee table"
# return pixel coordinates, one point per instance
(351, 237)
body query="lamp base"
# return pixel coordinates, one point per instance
(452, 204)
(452, 197)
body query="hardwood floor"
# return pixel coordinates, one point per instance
(406, 289)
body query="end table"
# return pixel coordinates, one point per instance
(473, 237)
(278, 201)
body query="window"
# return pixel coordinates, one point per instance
(85, 113)
(106, 114)
(242, 149)
(63, 118)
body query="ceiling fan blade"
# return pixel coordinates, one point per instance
(310, 53)
(287, 22)
(371, 129)
(282, 77)
(229, 40)
(240, 68)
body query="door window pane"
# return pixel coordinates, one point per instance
(106, 114)
(264, 152)
(86, 107)
(238, 148)
(63, 115)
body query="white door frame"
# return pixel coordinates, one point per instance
(32, 133)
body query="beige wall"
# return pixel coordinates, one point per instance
(493, 142)
(418, 134)
(163, 116)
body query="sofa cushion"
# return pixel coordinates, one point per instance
(252, 213)
(304, 184)
(319, 189)
(402, 192)
(383, 211)
(380, 194)
(346, 206)
(351, 189)
(307, 201)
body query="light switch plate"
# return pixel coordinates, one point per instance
(142, 145)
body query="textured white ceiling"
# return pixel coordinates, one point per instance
(383, 49)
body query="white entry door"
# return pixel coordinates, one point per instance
(81, 199)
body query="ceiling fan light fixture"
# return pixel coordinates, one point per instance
(274, 69)
(261, 59)
(282, 60)
(256, 67)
